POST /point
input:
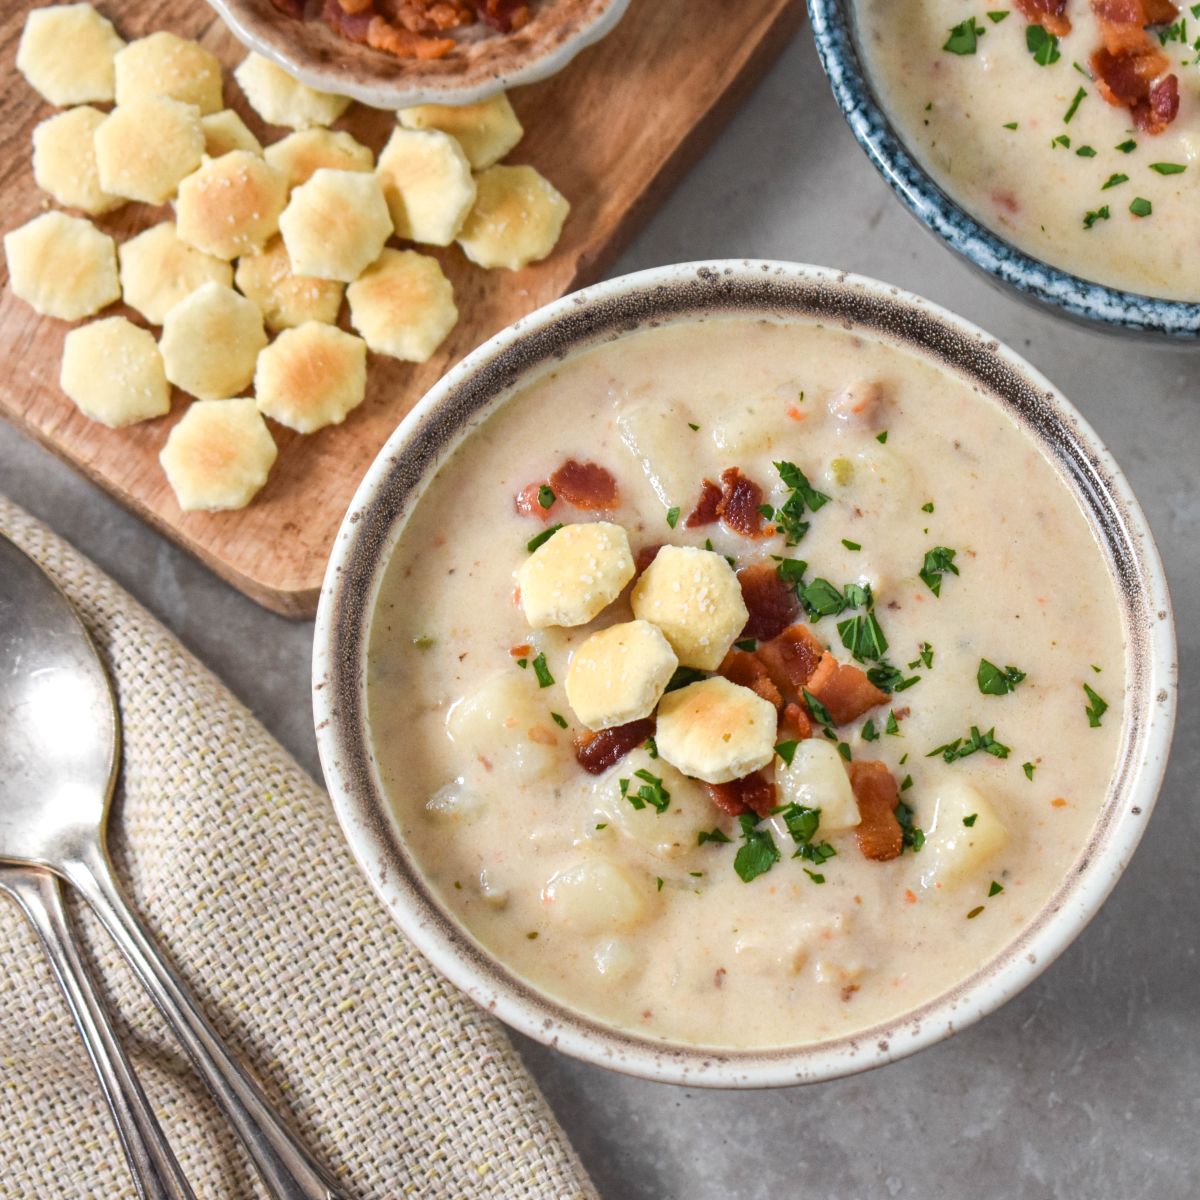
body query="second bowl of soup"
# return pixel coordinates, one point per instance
(743, 674)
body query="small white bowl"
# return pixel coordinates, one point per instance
(484, 62)
(483, 381)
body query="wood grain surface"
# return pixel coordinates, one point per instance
(613, 131)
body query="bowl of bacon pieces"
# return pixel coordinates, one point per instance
(397, 53)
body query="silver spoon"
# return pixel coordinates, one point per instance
(59, 750)
(155, 1171)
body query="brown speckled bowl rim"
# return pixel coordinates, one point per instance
(480, 67)
(470, 392)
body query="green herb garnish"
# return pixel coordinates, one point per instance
(1127, 147)
(559, 720)
(1042, 45)
(650, 792)
(545, 495)
(938, 562)
(786, 751)
(673, 516)
(758, 854)
(789, 515)
(962, 747)
(815, 876)
(995, 889)
(682, 677)
(1113, 180)
(914, 838)
(927, 507)
(974, 912)
(851, 545)
(1168, 168)
(1086, 152)
(997, 15)
(819, 711)
(969, 821)
(863, 637)
(1097, 708)
(964, 37)
(693, 426)
(650, 746)
(869, 732)
(424, 642)
(1080, 96)
(995, 682)
(1141, 207)
(540, 539)
(712, 835)
(1100, 214)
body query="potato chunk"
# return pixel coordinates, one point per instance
(114, 372)
(210, 342)
(230, 205)
(219, 455)
(517, 218)
(575, 575)
(164, 64)
(336, 224)
(492, 727)
(300, 155)
(595, 896)
(66, 54)
(62, 266)
(487, 130)
(955, 852)
(281, 100)
(285, 299)
(427, 184)
(403, 305)
(694, 597)
(147, 146)
(311, 376)
(64, 161)
(619, 674)
(716, 730)
(158, 270)
(816, 778)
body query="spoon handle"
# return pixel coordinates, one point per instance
(286, 1167)
(156, 1173)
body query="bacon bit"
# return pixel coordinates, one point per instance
(719, 977)
(752, 793)
(596, 752)
(516, 595)
(844, 690)
(791, 658)
(543, 736)
(880, 837)
(527, 504)
(1051, 15)
(645, 556)
(524, 650)
(1006, 200)
(1058, 802)
(748, 671)
(707, 508)
(503, 15)
(796, 414)
(910, 897)
(1130, 69)
(585, 485)
(848, 991)
(770, 602)
(795, 723)
(353, 27)
(738, 507)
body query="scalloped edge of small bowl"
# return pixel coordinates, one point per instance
(485, 379)
(268, 34)
(1093, 304)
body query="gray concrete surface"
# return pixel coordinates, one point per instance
(1085, 1086)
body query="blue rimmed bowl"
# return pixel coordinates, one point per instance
(1085, 301)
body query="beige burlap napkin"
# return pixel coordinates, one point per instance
(232, 856)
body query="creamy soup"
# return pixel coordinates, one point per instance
(1015, 128)
(801, 893)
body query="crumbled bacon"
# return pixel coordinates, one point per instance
(585, 485)
(752, 793)
(596, 752)
(770, 602)
(844, 690)
(645, 556)
(747, 670)
(879, 834)
(503, 15)
(353, 27)
(1051, 15)
(706, 508)
(1130, 69)
(739, 505)
(290, 8)
(794, 723)
(528, 502)
(791, 658)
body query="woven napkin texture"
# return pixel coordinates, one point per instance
(231, 855)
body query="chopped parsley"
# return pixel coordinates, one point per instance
(851, 545)
(869, 733)
(1168, 168)
(881, 438)
(1113, 180)
(1100, 214)
(682, 677)
(749, 645)
(559, 720)
(758, 853)
(658, 880)
(650, 792)
(651, 746)
(1080, 96)
(673, 515)
(892, 728)
(802, 824)
(914, 838)
(962, 747)
(964, 37)
(863, 636)
(693, 426)
(1062, 140)
(995, 682)
(815, 876)
(1097, 708)
(822, 599)
(789, 516)
(938, 562)
(712, 835)
(974, 912)
(544, 678)
(819, 711)
(1010, 124)
(523, 663)
(602, 825)
(925, 657)
(546, 495)
(540, 539)
(927, 507)
(791, 570)
(995, 889)
(969, 821)
(1042, 45)
(786, 751)
(1141, 207)
(1127, 147)
(1029, 769)
(1086, 152)
(424, 642)
(997, 15)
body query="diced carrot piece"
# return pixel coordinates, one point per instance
(879, 834)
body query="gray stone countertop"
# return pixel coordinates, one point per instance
(1087, 1085)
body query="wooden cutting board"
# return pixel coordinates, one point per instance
(613, 131)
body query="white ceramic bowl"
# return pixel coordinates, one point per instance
(483, 63)
(483, 381)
